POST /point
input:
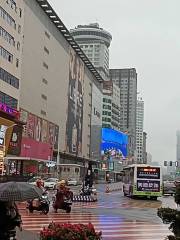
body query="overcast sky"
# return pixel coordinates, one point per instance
(146, 36)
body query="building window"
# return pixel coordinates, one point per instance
(45, 65)
(43, 112)
(7, 37)
(6, 55)
(7, 18)
(47, 35)
(44, 81)
(8, 78)
(19, 28)
(46, 50)
(17, 62)
(8, 100)
(20, 12)
(44, 96)
(18, 46)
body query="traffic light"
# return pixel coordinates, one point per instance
(165, 163)
(176, 164)
(170, 163)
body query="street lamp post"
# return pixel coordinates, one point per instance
(4, 146)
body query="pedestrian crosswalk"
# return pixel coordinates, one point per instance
(113, 227)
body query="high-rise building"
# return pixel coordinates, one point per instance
(95, 42)
(144, 147)
(11, 39)
(55, 97)
(178, 148)
(111, 106)
(149, 158)
(126, 79)
(139, 129)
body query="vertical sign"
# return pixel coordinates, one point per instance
(75, 105)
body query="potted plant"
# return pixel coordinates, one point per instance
(68, 231)
(172, 216)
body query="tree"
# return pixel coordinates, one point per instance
(172, 216)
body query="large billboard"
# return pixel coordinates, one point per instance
(39, 138)
(74, 123)
(114, 144)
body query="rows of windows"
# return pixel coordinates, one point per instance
(7, 18)
(106, 107)
(6, 55)
(105, 119)
(106, 113)
(8, 100)
(106, 100)
(4, 34)
(12, 3)
(9, 78)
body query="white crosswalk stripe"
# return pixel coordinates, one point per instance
(112, 227)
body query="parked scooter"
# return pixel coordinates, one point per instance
(88, 191)
(42, 206)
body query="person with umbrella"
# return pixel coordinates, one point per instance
(11, 192)
(9, 220)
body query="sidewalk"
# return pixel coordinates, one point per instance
(26, 235)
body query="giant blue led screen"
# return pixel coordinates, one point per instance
(114, 143)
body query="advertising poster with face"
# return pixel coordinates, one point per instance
(74, 121)
(56, 134)
(44, 131)
(51, 133)
(38, 129)
(30, 125)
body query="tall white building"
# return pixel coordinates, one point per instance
(139, 129)
(126, 80)
(95, 42)
(11, 41)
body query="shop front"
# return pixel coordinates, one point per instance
(10, 136)
(38, 143)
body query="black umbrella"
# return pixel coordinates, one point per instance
(18, 191)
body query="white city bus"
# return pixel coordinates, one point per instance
(142, 180)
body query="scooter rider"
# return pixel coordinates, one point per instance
(62, 193)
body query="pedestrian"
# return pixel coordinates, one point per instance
(9, 219)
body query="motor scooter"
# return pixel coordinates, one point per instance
(43, 204)
(67, 202)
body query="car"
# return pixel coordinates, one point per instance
(169, 187)
(51, 183)
(33, 180)
(72, 182)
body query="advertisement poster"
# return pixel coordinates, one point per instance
(15, 142)
(114, 144)
(40, 136)
(75, 105)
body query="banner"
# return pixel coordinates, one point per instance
(74, 123)
(40, 137)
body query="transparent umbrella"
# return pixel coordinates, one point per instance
(18, 191)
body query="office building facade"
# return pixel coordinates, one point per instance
(111, 106)
(140, 137)
(126, 79)
(11, 40)
(55, 96)
(95, 42)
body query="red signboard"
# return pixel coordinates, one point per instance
(38, 150)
